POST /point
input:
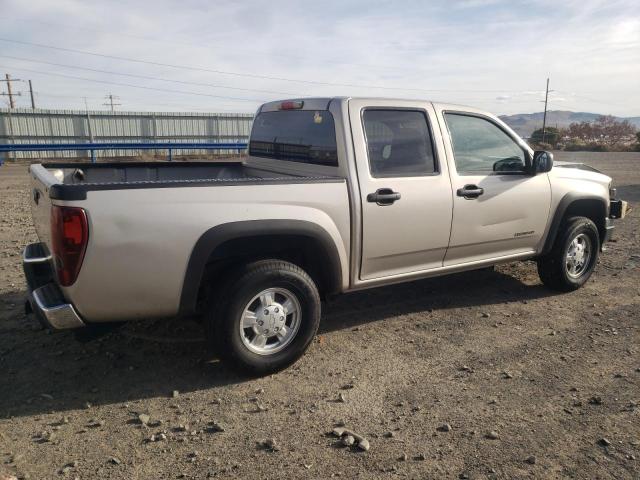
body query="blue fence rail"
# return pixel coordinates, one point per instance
(92, 147)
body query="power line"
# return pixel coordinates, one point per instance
(107, 82)
(236, 74)
(147, 77)
(261, 53)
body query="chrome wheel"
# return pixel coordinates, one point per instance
(578, 255)
(270, 321)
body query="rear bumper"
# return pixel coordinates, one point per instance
(44, 298)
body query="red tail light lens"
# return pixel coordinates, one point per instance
(69, 236)
(291, 105)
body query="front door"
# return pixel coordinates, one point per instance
(404, 187)
(499, 209)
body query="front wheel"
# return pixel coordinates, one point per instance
(265, 318)
(573, 256)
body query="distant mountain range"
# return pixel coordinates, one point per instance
(526, 123)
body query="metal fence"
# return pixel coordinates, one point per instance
(26, 126)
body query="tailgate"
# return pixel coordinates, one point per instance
(41, 181)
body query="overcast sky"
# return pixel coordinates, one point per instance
(491, 54)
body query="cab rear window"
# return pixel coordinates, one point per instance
(304, 136)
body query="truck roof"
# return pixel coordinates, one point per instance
(322, 103)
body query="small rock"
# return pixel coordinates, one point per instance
(420, 457)
(348, 386)
(492, 435)
(506, 374)
(260, 391)
(215, 427)
(47, 436)
(270, 445)
(403, 457)
(445, 427)
(604, 442)
(348, 440)
(115, 461)
(341, 398)
(143, 418)
(595, 400)
(363, 444)
(466, 368)
(390, 434)
(531, 460)
(338, 431)
(175, 394)
(486, 315)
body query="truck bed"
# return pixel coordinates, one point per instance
(146, 219)
(72, 181)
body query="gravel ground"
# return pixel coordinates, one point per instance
(478, 375)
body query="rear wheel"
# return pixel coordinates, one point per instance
(265, 318)
(573, 256)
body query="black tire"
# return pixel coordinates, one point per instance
(552, 268)
(225, 313)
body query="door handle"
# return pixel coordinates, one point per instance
(383, 196)
(470, 192)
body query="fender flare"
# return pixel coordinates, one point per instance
(216, 236)
(560, 212)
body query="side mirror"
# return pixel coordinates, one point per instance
(542, 162)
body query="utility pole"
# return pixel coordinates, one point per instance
(9, 93)
(111, 97)
(544, 118)
(33, 102)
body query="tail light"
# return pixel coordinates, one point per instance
(291, 105)
(69, 236)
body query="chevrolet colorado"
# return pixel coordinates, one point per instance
(336, 195)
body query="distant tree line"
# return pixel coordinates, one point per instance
(605, 134)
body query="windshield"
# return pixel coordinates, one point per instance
(304, 136)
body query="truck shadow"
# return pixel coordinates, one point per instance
(44, 372)
(463, 290)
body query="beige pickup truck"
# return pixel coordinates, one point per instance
(336, 195)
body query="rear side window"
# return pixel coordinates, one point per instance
(304, 136)
(398, 143)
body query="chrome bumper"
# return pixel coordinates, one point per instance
(45, 299)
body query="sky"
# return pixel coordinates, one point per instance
(231, 56)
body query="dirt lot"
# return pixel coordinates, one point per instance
(551, 375)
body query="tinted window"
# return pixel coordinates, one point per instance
(304, 136)
(480, 146)
(398, 143)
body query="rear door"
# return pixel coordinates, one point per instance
(406, 197)
(499, 209)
